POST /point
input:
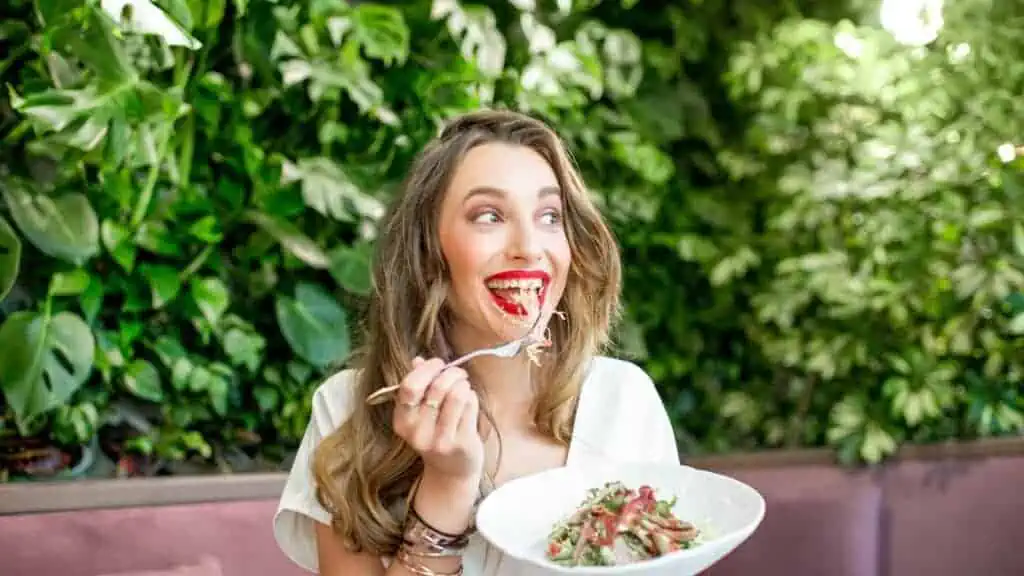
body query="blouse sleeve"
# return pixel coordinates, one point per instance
(622, 416)
(298, 509)
(664, 448)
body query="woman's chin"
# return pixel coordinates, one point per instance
(506, 327)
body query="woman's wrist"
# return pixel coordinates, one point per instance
(446, 504)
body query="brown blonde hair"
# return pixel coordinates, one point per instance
(362, 469)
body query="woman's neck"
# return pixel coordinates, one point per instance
(507, 384)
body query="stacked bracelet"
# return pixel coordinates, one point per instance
(421, 540)
(405, 558)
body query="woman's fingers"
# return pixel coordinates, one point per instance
(470, 416)
(438, 389)
(436, 414)
(416, 382)
(446, 434)
(410, 395)
(425, 435)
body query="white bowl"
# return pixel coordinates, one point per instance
(517, 517)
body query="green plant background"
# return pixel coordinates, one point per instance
(822, 246)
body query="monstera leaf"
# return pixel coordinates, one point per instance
(43, 361)
(10, 256)
(65, 227)
(351, 268)
(314, 325)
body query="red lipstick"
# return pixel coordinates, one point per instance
(501, 295)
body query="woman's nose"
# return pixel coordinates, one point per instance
(526, 243)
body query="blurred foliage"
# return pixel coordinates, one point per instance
(822, 245)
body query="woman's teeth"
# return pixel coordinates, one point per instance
(517, 297)
(519, 284)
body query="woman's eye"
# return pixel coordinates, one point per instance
(486, 217)
(551, 217)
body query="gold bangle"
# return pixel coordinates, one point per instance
(405, 559)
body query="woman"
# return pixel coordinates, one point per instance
(493, 209)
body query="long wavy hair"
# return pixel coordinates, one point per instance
(363, 469)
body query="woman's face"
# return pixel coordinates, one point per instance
(501, 231)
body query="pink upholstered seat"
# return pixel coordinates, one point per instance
(128, 540)
(819, 521)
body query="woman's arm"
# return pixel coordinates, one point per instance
(445, 504)
(335, 560)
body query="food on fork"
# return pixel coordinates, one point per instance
(616, 525)
(519, 296)
(520, 302)
(530, 302)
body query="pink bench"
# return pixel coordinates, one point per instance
(194, 526)
(939, 511)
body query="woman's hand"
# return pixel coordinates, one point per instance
(436, 414)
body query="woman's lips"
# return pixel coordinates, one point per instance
(511, 307)
(504, 285)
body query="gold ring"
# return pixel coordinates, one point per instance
(411, 404)
(432, 404)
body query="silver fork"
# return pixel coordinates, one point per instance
(507, 350)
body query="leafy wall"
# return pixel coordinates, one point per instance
(822, 243)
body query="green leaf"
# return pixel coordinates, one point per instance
(65, 227)
(87, 33)
(985, 216)
(351, 268)
(70, 283)
(142, 380)
(83, 115)
(91, 300)
(127, 118)
(207, 13)
(649, 162)
(877, 443)
(694, 248)
(382, 32)
(164, 283)
(76, 424)
(169, 350)
(179, 11)
(266, 398)
(218, 393)
(148, 19)
(314, 325)
(212, 297)
(328, 190)
(10, 257)
(1016, 325)
(624, 70)
(154, 237)
(207, 229)
(293, 240)
(1018, 238)
(475, 28)
(244, 348)
(43, 361)
(117, 240)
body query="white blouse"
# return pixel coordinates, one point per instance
(620, 417)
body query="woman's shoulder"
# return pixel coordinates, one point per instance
(334, 400)
(622, 415)
(613, 382)
(616, 376)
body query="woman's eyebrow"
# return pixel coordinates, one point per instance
(500, 194)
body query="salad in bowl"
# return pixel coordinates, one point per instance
(608, 518)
